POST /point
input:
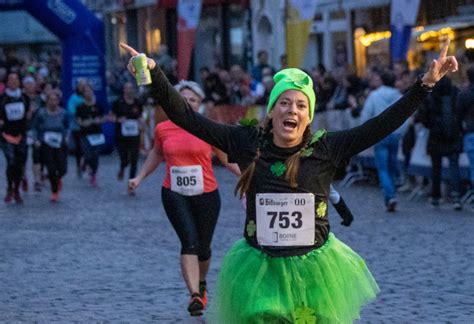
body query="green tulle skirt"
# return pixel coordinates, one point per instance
(327, 285)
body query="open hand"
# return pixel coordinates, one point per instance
(133, 52)
(440, 67)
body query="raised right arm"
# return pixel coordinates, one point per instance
(225, 137)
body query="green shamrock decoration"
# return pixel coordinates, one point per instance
(317, 136)
(305, 315)
(248, 122)
(307, 151)
(278, 168)
(321, 211)
(251, 228)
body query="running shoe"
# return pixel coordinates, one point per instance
(9, 196)
(203, 292)
(24, 184)
(392, 205)
(196, 305)
(54, 197)
(457, 205)
(93, 180)
(17, 197)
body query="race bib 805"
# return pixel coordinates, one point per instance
(187, 180)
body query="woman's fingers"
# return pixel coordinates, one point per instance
(129, 49)
(453, 63)
(130, 68)
(444, 50)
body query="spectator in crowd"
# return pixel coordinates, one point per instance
(338, 103)
(399, 68)
(3, 76)
(283, 61)
(465, 112)
(203, 74)
(445, 138)
(386, 150)
(257, 70)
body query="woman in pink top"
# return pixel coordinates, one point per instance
(190, 195)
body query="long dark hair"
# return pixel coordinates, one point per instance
(292, 162)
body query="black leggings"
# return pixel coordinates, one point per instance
(91, 154)
(194, 219)
(16, 159)
(56, 163)
(128, 153)
(76, 137)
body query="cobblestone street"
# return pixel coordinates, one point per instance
(100, 255)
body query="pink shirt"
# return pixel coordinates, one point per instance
(183, 149)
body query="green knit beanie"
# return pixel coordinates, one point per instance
(293, 79)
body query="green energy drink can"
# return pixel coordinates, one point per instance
(142, 73)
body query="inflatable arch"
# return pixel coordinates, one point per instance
(83, 43)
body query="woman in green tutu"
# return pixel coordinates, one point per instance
(290, 268)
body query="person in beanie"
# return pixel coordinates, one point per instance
(289, 267)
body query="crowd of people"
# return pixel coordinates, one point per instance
(310, 120)
(344, 100)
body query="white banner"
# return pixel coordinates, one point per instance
(189, 12)
(404, 13)
(305, 8)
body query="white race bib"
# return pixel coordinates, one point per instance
(96, 139)
(187, 180)
(285, 219)
(15, 111)
(129, 127)
(53, 139)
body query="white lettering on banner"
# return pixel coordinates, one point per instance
(96, 139)
(187, 180)
(53, 139)
(86, 67)
(129, 127)
(285, 219)
(15, 111)
(63, 11)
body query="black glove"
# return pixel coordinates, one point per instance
(344, 212)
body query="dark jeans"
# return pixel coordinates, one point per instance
(91, 154)
(15, 155)
(454, 175)
(55, 160)
(128, 150)
(194, 219)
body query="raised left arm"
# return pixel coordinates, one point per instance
(346, 144)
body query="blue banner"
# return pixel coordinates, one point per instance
(82, 36)
(399, 42)
(403, 15)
